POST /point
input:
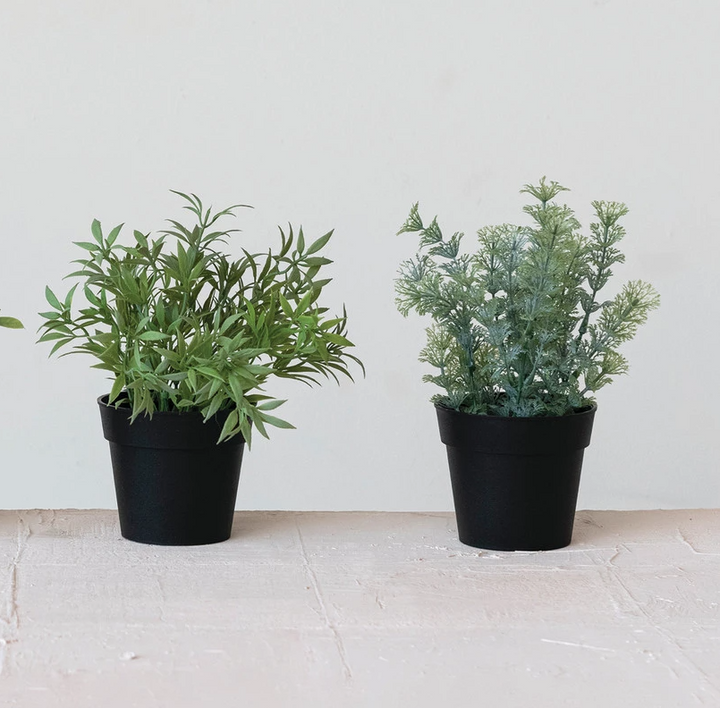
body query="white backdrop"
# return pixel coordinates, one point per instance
(341, 114)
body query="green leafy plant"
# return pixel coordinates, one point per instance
(518, 327)
(182, 326)
(10, 323)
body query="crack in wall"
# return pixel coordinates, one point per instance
(314, 583)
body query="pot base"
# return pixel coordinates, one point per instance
(515, 503)
(176, 497)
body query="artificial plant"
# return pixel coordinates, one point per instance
(183, 326)
(519, 327)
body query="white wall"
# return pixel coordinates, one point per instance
(340, 114)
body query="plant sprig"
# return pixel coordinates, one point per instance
(518, 327)
(11, 323)
(182, 326)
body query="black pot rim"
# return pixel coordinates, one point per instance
(179, 430)
(511, 435)
(104, 401)
(585, 410)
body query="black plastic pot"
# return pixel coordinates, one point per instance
(515, 480)
(175, 485)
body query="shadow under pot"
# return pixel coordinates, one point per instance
(515, 480)
(175, 485)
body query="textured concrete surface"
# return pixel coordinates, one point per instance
(359, 609)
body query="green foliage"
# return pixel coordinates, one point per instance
(518, 326)
(182, 326)
(10, 323)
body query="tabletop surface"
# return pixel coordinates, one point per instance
(359, 609)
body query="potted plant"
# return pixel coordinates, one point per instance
(10, 323)
(521, 339)
(191, 336)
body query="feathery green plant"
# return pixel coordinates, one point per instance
(188, 328)
(518, 327)
(10, 323)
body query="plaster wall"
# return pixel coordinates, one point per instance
(341, 115)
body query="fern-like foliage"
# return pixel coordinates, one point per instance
(519, 328)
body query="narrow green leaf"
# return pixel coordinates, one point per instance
(91, 297)
(87, 245)
(259, 424)
(277, 422)
(117, 387)
(229, 426)
(284, 304)
(11, 323)
(69, 296)
(305, 302)
(112, 236)
(315, 246)
(246, 430)
(52, 299)
(258, 369)
(229, 322)
(317, 261)
(237, 388)
(215, 386)
(104, 367)
(179, 376)
(58, 344)
(210, 373)
(49, 336)
(338, 339)
(97, 231)
(270, 405)
(214, 406)
(141, 238)
(153, 336)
